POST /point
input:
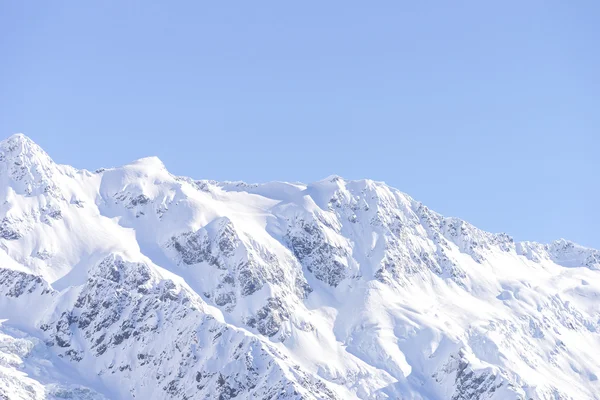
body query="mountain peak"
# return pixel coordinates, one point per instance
(333, 178)
(18, 137)
(19, 144)
(149, 162)
(26, 163)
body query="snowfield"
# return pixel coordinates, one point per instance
(132, 283)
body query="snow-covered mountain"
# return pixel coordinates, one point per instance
(132, 283)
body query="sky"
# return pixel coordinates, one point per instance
(488, 111)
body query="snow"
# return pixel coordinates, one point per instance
(131, 282)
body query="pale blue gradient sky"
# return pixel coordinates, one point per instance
(488, 112)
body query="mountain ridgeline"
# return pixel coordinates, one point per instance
(133, 283)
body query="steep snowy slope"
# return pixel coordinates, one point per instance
(133, 283)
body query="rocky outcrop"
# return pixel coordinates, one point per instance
(120, 318)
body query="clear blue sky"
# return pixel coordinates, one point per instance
(489, 111)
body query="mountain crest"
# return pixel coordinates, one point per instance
(153, 286)
(27, 165)
(22, 147)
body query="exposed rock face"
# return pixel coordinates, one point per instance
(241, 271)
(327, 262)
(471, 384)
(16, 284)
(561, 252)
(131, 283)
(269, 318)
(120, 317)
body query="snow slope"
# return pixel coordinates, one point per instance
(132, 283)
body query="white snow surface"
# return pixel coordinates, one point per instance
(133, 283)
